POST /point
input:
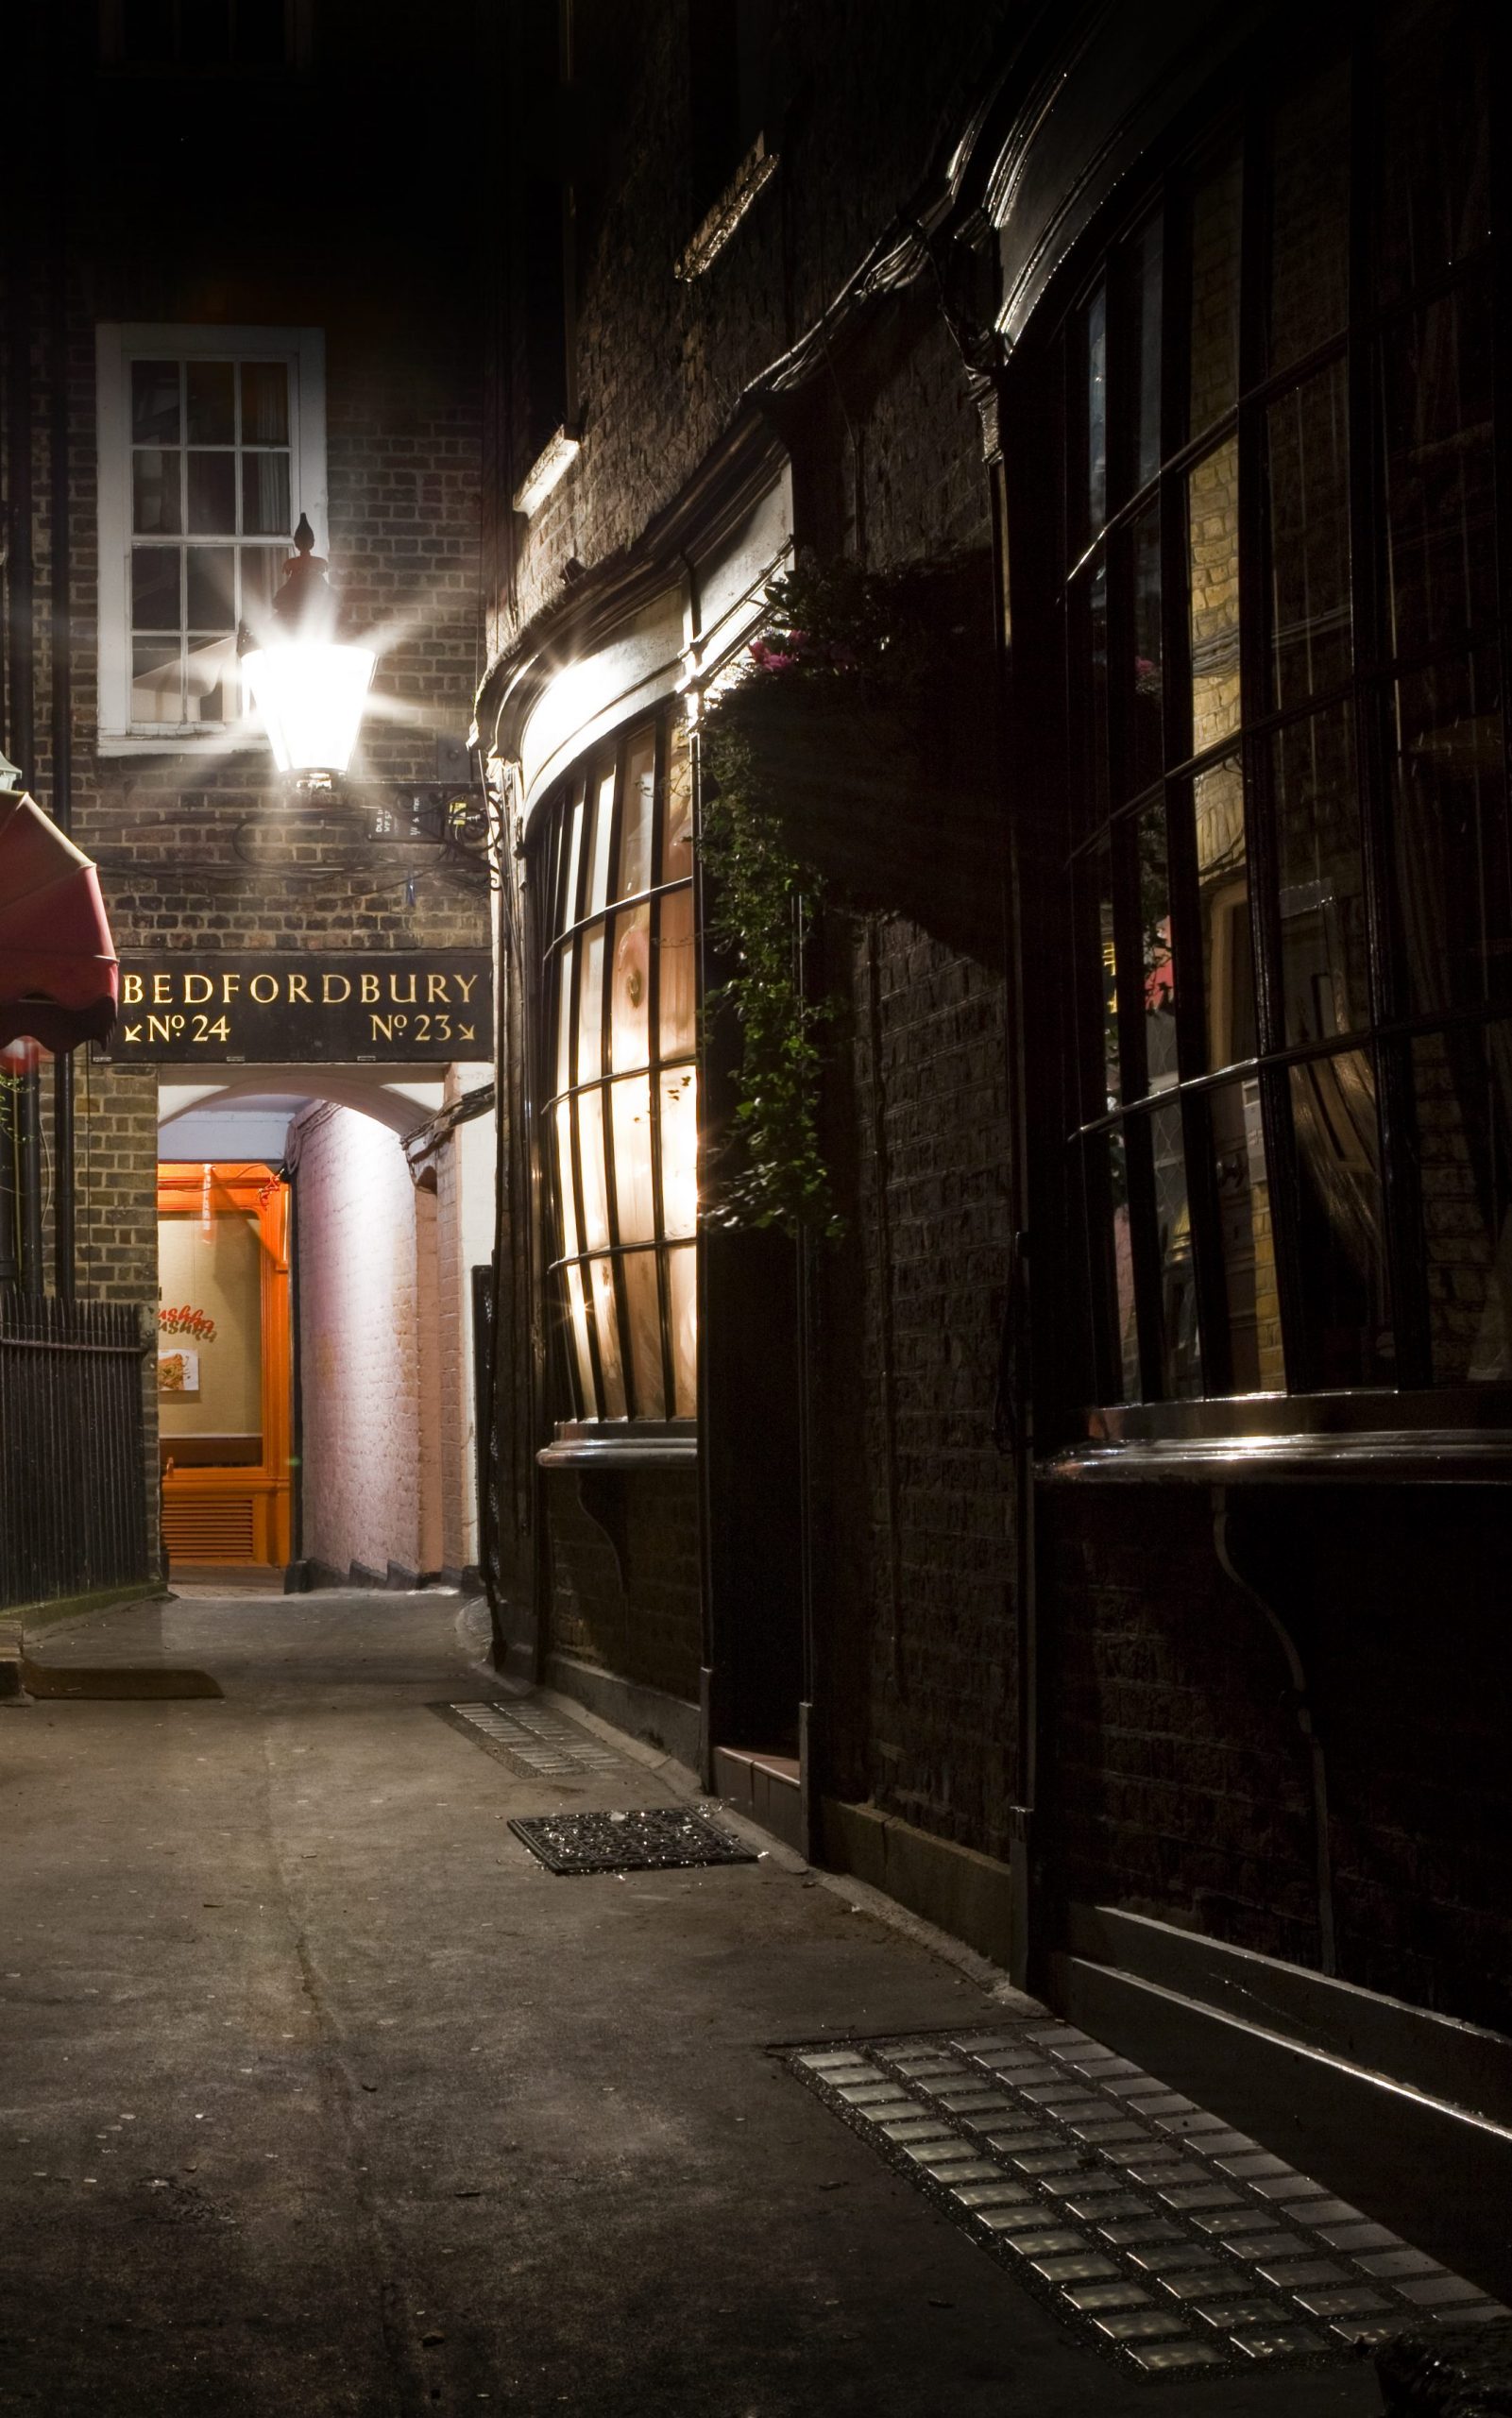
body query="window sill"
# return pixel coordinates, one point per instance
(1459, 1437)
(645, 1446)
(212, 741)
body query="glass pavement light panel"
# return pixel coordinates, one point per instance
(1166, 2238)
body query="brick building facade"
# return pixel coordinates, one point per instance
(1063, 1536)
(207, 333)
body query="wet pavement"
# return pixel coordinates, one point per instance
(320, 2094)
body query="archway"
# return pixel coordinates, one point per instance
(383, 1182)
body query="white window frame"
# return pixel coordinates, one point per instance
(117, 345)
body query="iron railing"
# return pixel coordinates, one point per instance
(71, 1448)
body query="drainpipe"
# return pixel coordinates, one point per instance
(1301, 1706)
(63, 686)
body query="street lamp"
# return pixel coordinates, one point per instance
(307, 684)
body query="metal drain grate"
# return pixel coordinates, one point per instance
(653, 1840)
(535, 1741)
(1169, 2240)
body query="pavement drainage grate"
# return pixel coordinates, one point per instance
(654, 1840)
(1166, 2240)
(532, 1740)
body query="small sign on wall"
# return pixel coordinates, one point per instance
(301, 1009)
(178, 1373)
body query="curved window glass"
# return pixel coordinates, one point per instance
(618, 1090)
(1288, 847)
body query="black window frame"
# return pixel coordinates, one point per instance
(578, 1406)
(1086, 1398)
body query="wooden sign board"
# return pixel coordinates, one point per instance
(302, 1008)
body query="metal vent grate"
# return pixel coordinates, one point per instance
(534, 1740)
(658, 1839)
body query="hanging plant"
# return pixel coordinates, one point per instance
(846, 762)
(774, 1172)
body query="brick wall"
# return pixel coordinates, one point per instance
(359, 1311)
(661, 365)
(922, 1693)
(624, 1592)
(1180, 1786)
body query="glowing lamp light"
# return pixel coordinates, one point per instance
(311, 697)
(308, 687)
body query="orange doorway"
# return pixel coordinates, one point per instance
(225, 1399)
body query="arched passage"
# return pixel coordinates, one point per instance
(386, 1182)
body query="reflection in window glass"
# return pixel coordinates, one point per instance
(1157, 956)
(1089, 725)
(1215, 331)
(1307, 461)
(1292, 775)
(1245, 1238)
(1213, 526)
(1142, 282)
(1100, 873)
(1310, 217)
(1091, 504)
(1441, 479)
(1223, 898)
(1181, 1352)
(1462, 1084)
(1105, 1173)
(1345, 1325)
(1433, 196)
(1454, 846)
(1143, 752)
(1325, 957)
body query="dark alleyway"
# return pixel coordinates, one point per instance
(322, 2096)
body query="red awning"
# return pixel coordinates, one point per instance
(58, 978)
